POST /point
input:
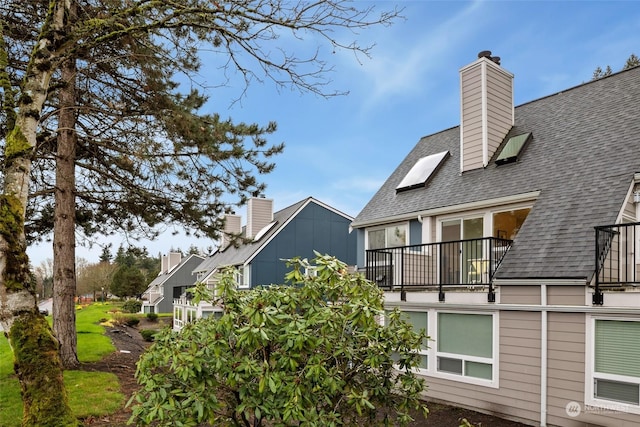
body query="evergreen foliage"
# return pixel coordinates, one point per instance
(311, 353)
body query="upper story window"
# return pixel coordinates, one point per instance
(387, 237)
(506, 224)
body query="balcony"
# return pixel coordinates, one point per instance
(466, 264)
(617, 258)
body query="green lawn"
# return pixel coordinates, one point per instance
(90, 393)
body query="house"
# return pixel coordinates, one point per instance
(267, 239)
(174, 277)
(513, 239)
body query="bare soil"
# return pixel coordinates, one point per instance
(130, 345)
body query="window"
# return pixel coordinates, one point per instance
(512, 149)
(388, 237)
(615, 368)
(191, 314)
(465, 345)
(506, 224)
(243, 276)
(421, 171)
(419, 321)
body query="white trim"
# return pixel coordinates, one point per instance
(432, 352)
(484, 107)
(495, 349)
(544, 351)
(453, 209)
(384, 227)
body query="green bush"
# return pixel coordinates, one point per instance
(313, 354)
(152, 317)
(148, 334)
(131, 321)
(132, 306)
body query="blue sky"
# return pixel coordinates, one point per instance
(340, 150)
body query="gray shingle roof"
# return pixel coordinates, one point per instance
(582, 159)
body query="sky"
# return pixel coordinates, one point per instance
(341, 149)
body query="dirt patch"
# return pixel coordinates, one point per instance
(130, 345)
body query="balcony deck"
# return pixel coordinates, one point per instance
(438, 266)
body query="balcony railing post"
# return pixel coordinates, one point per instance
(491, 296)
(403, 293)
(598, 298)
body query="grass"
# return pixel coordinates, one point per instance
(90, 393)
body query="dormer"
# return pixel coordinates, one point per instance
(486, 110)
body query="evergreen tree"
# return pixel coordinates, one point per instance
(148, 161)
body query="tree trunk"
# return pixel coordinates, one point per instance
(35, 349)
(64, 248)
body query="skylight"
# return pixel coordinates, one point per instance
(264, 231)
(422, 171)
(512, 148)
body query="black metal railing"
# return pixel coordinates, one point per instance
(462, 263)
(617, 258)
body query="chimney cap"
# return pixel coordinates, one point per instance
(487, 54)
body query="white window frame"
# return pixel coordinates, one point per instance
(243, 278)
(190, 314)
(423, 351)
(493, 361)
(404, 225)
(433, 354)
(591, 375)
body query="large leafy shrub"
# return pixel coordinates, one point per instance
(312, 353)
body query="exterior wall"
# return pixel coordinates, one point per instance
(180, 277)
(471, 117)
(259, 215)
(486, 111)
(519, 294)
(566, 295)
(518, 393)
(314, 228)
(499, 107)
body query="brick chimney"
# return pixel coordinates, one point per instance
(486, 110)
(259, 214)
(232, 226)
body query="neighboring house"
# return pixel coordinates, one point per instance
(266, 241)
(513, 239)
(174, 278)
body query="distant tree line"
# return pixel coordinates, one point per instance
(632, 61)
(125, 274)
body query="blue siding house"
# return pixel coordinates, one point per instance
(258, 249)
(174, 277)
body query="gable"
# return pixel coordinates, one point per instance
(581, 159)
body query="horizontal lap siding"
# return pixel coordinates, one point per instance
(519, 294)
(472, 126)
(566, 373)
(566, 295)
(518, 395)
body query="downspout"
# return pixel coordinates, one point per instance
(543, 355)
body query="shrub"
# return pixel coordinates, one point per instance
(148, 334)
(125, 319)
(131, 321)
(152, 317)
(132, 306)
(313, 354)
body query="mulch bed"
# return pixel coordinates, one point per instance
(130, 345)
